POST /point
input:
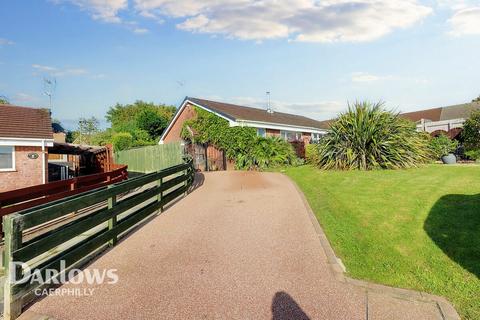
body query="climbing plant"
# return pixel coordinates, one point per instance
(240, 144)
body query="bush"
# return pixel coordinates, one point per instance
(473, 155)
(312, 153)
(262, 153)
(369, 137)
(471, 131)
(122, 141)
(442, 145)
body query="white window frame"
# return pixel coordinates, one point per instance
(297, 136)
(264, 132)
(13, 168)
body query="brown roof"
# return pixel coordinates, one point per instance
(429, 114)
(22, 122)
(459, 111)
(236, 113)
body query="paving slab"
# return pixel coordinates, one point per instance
(241, 246)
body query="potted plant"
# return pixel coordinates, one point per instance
(443, 147)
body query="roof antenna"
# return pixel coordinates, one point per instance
(269, 107)
(49, 86)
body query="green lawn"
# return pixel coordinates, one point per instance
(416, 228)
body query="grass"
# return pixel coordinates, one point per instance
(415, 228)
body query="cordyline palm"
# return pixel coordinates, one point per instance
(369, 137)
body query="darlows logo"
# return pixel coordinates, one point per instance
(61, 276)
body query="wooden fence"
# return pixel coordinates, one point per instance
(151, 158)
(21, 199)
(75, 243)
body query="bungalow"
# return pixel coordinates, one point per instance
(267, 122)
(25, 135)
(298, 130)
(447, 120)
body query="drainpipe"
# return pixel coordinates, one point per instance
(43, 161)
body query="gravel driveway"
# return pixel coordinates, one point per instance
(241, 246)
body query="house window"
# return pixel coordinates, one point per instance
(7, 158)
(261, 132)
(315, 137)
(290, 135)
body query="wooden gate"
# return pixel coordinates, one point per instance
(206, 157)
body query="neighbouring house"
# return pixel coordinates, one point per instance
(444, 120)
(291, 127)
(25, 136)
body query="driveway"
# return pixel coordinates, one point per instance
(241, 246)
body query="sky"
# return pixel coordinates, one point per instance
(313, 56)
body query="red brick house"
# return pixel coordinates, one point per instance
(293, 128)
(268, 123)
(25, 135)
(443, 120)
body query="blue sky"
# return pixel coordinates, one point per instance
(313, 56)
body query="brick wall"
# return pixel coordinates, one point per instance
(174, 134)
(272, 133)
(306, 137)
(28, 172)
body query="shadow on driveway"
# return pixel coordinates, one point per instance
(454, 225)
(284, 307)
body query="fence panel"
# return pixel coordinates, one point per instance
(151, 158)
(70, 245)
(21, 199)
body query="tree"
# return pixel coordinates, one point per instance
(369, 137)
(144, 121)
(152, 122)
(86, 130)
(471, 131)
(4, 100)
(122, 141)
(477, 99)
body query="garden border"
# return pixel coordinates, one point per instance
(446, 309)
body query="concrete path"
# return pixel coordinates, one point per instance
(242, 246)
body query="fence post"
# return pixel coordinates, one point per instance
(13, 241)
(112, 222)
(160, 194)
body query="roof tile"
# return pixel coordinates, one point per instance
(236, 113)
(23, 122)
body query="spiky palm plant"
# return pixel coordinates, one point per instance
(368, 137)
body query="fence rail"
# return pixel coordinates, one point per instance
(151, 158)
(84, 236)
(21, 199)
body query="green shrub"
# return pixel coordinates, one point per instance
(471, 131)
(312, 153)
(122, 141)
(473, 155)
(442, 145)
(369, 137)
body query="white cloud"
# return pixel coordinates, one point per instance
(465, 22)
(301, 20)
(57, 72)
(23, 98)
(140, 30)
(5, 42)
(367, 77)
(106, 10)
